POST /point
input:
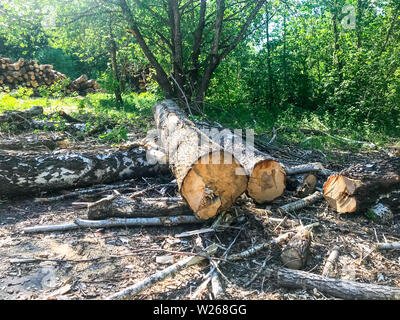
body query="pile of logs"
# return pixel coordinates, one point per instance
(29, 74)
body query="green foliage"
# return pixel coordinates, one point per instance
(116, 135)
(108, 82)
(22, 93)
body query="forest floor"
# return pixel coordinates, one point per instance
(93, 264)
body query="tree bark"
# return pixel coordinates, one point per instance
(209, 179)
(266, 176)
(339, 288)
(302, 185)
(35, 173)
(119, 206)
(294, 255)
(357, 188)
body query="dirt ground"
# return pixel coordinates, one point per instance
(93, 264)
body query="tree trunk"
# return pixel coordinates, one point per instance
(118, 206)
(359, 187)
(36, 173)
(209, 179)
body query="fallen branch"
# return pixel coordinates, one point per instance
(345, 289)
(388, 246)
(138, 287)
(249, 252)
(300, 204)
(330, 262)
(283, 237)
(307, 168)
(116, 222)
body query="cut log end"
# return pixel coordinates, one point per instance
(267, 181)
(213, 184)
(294, 255)
(338, 191)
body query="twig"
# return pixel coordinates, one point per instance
(139, 193)
(115, 222)
(138, 287)
(257, 274)
(249, 252)
(209, 275)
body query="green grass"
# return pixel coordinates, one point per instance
(111, 122)
(98, 111)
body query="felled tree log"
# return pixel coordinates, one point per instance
(208, 178)
(119, 206)
(294, 255)
(303, 185)
(22, 174)
(357, 188)
(29, 143)
(345, 289)
(21, 116)
(266, 176)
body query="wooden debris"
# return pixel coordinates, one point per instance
(168, 259)
(140, 286)
(251, 251)
(115, 222)
(330, 262)
(300, 204)
(295, 254)
(303, 185)
(283, 237)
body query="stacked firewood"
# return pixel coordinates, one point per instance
(29, 74)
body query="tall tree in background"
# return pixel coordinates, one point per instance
(195, 48)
